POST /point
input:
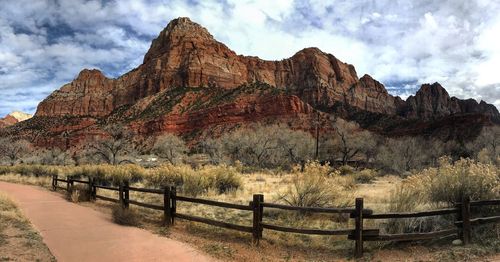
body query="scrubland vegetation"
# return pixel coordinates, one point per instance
(283, 165)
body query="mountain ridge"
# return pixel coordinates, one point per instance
(190, 83)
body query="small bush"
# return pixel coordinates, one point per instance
(195, 182)
(30, 170)
(223, 178)
(365, 176)
(79, 193)
(195, 185)
(441, 186)
(313, 188)
(346, 170)
(168, 175)
(449, 182)
(125, 216)
(405, 199)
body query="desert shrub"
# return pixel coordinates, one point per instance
(346, 170)
(314, 187)
(79, 193)
(195, 185)
(442, 186)
(365, 176)
(109, 173)
(168, 175)
(195, 181)
(406, 199)
(4, 170)
(223, 178)
(124, 216)
(449, 182)
(31, 170)
(88, 171)
(28, 180)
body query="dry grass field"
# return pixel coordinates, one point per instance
(335, 187)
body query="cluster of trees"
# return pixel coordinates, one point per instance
(260, 146)
(271, 146)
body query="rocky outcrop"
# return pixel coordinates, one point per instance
(432, 101)
(13, 118)
(189, 82)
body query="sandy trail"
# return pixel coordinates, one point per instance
(77, 233)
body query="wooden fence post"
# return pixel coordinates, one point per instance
(120, 195)
(69, 186)
(358, 231)
(91, 189)
(261, 214)
(54, 182)
(94, 189)
(257, 217)
(126, 195)
(173, 209)
(167, 206)
(465, 216)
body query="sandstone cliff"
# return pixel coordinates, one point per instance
(190, 83)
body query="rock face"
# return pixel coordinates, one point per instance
(189, 83)
(13, 118)
(432, 101)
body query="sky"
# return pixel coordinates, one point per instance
(402, 43)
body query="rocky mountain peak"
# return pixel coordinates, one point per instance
(433, 90)
(178, 32)
(90, 73)
(189, 83)
(13, 118)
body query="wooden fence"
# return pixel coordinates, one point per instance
(359, 234)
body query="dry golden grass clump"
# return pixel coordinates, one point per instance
(317, 186)
(442, 186)
(30, 170)
(125, 216)
(79, 193)
(27, 180)
(365, 176)
(195, 181)
(449, 182)
(109, 173)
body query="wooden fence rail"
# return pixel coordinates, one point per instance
(462, 210)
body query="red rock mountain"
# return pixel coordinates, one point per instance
(13, 118)
(190, 84)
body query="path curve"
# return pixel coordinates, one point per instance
(77, 233)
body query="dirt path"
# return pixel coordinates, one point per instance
(76, 233)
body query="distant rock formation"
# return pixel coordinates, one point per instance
(190, 84)
(13, 118)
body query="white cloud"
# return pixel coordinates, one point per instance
(404, 43)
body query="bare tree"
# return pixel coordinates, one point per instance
(55, 156)
(296, 146)
(487, 143)
(349, 140)
(116, 148)
(214, 149)
(170, 147)
(262, 146)
(13, 150)
(403, 154)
